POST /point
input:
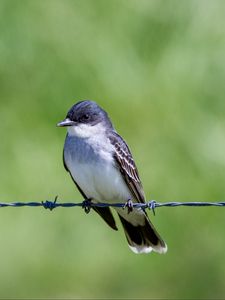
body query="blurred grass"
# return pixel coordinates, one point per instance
(158, 68)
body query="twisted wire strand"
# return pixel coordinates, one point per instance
(87, 205)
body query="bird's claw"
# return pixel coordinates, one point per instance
(129, 205)
(86, 205)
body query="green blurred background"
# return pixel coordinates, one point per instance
(158, 68)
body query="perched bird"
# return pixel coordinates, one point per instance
(101, 166)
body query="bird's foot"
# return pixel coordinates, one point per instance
(129, 205)
(86, 205)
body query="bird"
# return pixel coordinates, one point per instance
(101, 165)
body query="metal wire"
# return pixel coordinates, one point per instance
(87, 205)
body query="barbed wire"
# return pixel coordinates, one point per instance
(87, 204)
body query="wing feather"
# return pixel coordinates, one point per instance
(126, 164)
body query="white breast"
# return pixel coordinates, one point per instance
(91, 164)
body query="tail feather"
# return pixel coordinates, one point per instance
(143, 238)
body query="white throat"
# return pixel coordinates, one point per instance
(86, 130)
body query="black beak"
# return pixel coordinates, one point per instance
(66, 122)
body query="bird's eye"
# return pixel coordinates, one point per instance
(85, 117)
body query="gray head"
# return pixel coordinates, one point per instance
(86, 113)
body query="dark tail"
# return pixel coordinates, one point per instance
(143, 238)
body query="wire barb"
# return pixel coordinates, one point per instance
(152, 205)
(50, 204)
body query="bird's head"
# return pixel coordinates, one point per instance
(86, 118)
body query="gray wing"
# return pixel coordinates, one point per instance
(126, 164)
